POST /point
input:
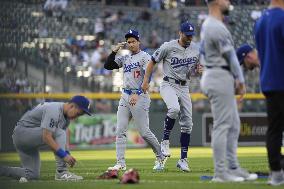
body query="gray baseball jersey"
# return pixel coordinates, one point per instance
(177, 61)
(218, 85)
(48, 115)
(216, 39)
(133, 68)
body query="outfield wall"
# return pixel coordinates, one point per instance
(99, 130)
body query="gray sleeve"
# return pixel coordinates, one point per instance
(160, 53)
(120, 60)
(234, 64)
(146, 60)
(224, 42)
(49, 119)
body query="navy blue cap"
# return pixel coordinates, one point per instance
(187, 28)
(242, 51)
(132, 33)
(82, 102)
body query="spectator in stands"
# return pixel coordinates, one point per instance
(145, 16)
(55, 7)
(255, 14)
(99, 28)
(155, 5)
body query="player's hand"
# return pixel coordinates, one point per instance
(145, 86)
(118, 46)
(199, 69)
(240, 90)
(70, 160)
(133, 99)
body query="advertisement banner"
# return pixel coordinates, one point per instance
(99, 132)
(252, 132)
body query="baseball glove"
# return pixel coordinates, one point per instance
(109, 174)
(130, 177)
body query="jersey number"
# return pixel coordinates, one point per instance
(136, 74)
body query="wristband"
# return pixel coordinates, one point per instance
(61, 153)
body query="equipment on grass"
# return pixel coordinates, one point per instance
(109, 174)
(130, 177)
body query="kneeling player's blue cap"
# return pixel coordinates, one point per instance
(82, 102)
(132, 33)
(187, 28)
(242, 51)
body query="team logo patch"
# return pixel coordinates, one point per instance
(52, 123)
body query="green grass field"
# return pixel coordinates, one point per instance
(93, 163)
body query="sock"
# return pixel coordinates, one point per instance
(184, 141)
(168, 126)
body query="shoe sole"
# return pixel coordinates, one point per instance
(275, 184)
(222, 181)
(251, 178)
(179, 167)
(68, 179)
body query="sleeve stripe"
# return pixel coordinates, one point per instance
(153, 59)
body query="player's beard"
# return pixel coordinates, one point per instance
(226, 12)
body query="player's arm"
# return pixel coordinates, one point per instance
(110, 63)
(67, 140)
(48, 139)
(157, 56)
(232, 59)
(148, 72)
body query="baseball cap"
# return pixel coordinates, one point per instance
(132, 33)
(187, 28)
(82, 102)
(242, 51)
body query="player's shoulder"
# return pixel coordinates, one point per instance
(53, 107)
(195, 45)
(144, 53)
(213, 25)
(169, 43)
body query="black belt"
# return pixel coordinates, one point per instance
(223, 67)
(179, 82)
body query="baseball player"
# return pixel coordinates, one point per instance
(133, 103)
(247, 57)
(269, 38)
(221, 78)
(180, 58)
(44, 125)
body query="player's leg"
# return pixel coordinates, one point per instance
(221, 97)
(170, 97)
(186, 124)
(232, 145)
(233, 135)
(26, 142)
(123, 116)
(140, 113)
(62, 172)
(275, 112)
